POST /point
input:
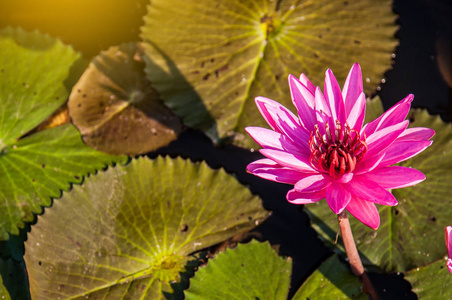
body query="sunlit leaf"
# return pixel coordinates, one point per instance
(208, 59)
(431, 282)
(33, 71)
(410, 232)
(129, 231)
(254, 271)
(251, 271)
(332, 280)
(38, 167)
(31, 82)
(116, 109)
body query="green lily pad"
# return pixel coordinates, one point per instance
(209, 59)
(332, 280)
(255, 271)
(116, 109)
(250, 271)
(33, 72)
(431, 282)
(129, 231)
(38, 167)
(409, 232)
(31, 83)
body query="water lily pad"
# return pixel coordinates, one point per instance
(410, 232)
(255, 271)
(129, 231)
(116, 109)
(38, 167)
(209, 59)
(332, 280)
(250, 271)
(31, 82)
(33, 72)
(431, 282)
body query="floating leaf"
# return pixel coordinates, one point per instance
(251, 271)
(431, 282)
(129, 231)
(410, 232)
(31, 82)
(116, 109)
(33, 70)
(332, 280)
(255, 271)
(36, 169)
(209, 59)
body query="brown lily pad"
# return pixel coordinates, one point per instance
(115, 107)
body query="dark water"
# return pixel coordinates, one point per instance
(422, 66)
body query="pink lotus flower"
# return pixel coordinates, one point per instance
(448, 231)
(326, 152)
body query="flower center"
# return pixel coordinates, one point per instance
(336, 154)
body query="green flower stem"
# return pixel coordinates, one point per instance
(353, 257)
